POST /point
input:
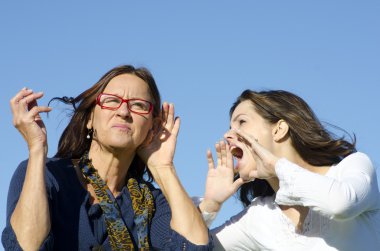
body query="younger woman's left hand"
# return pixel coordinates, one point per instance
(265, 160)
(159, 151)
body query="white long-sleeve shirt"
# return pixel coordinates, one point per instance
(344, 211)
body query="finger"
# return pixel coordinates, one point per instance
(165, 112)
(248, 150)
(249, 140)
(21, 94)
(230, 160)
(36, 110)
(210, 160)
(14, 102)
(29, 101)
(170, 118)
(223, 153)
(31, 116)
(237, 183)
(244, 137)
(218, 154)
(175, 130)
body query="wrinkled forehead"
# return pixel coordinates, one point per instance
(128, 85)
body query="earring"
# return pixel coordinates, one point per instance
(90, 131)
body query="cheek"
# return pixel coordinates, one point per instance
(101, 118)
(266, 139)
(143, 126)
(252, 130)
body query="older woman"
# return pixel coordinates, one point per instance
(96, 193)
(302, 188)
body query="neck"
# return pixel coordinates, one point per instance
(112, 167)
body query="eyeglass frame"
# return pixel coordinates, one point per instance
(123, 101)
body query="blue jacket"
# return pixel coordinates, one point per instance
(78, 225)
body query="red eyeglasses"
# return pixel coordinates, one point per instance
(113, 102)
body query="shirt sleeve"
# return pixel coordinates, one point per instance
(208, 217)
(235, 234)
(8, 238)
(351, 191)
(163, 237)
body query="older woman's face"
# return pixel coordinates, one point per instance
(121, 129)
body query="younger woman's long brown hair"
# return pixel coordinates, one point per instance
(312, 141)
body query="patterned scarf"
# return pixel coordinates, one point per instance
(142, 203)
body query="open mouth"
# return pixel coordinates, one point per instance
(237, 153)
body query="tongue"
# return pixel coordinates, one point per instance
(237, 152)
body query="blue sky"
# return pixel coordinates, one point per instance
(203, 54)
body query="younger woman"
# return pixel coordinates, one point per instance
(302, 188)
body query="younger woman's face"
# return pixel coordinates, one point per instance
(246, 119)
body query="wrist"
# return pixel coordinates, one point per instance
(38, 151)
(163, 175)
(209, 206)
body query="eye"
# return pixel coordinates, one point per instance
(110, 100)
(241, 121)
(139, 105)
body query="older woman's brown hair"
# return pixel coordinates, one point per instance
(73, 142)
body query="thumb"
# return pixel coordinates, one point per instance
(237, 183)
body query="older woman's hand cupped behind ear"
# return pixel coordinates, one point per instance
(159, 153)
(265, 160)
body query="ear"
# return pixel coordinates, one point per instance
(280, 130)
(90, 120)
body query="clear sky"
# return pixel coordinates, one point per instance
(203, 54)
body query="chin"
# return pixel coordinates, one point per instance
(244, 174)
(120, 146)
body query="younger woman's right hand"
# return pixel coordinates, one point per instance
(220, 184)
(27, 119)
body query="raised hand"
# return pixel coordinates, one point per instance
(220, 184)
(264, 160)
(27, 119)
(159, 151)
(158, 154)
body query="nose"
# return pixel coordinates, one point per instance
(229, 136)
(123, 110)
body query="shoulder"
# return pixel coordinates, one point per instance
(59, 167)
(355, 165)
(358, 156)
(56, 169)
(357, 160)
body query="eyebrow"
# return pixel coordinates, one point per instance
(237, 116)
(132, 97)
